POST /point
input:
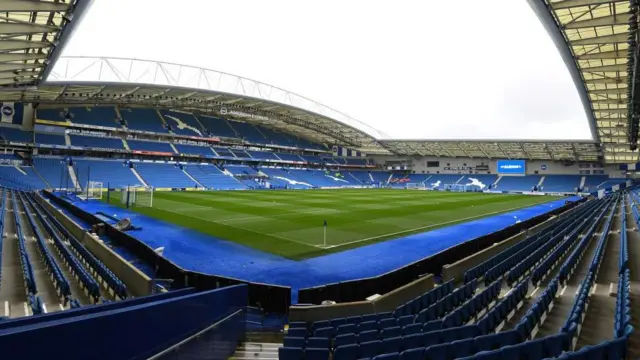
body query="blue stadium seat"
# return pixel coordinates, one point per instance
(413, 354)
(387, 323)
(346, 339)
(412, 341)
(392, 356)
(412, 329)
(439, 352)
(318, 342)
(291, 341)
(316, 354)
(462, 348)
(391, 345)
(405, 320)
(297, 332)
(370, 335)
(369, 349)
(347, 329)
(391, 332)
(323, 332)
(347, 352)
(288, 353)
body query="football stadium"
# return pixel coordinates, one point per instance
(161, 210)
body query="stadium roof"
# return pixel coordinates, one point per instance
(31, 34)
(592, 36)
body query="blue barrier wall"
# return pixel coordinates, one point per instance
(135, 332)
(218, 343)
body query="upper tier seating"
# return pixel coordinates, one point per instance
(288, 157)
(593, 182)
(211, 177)
(194, 150)
(183, 124)
(97, 116)
(518, 183)
(150, 146)
(112, 174)
(143, 120)
(164, 175)
(50, 139)
(263, 155)
(561, 183)
(96, 142)
(51, 115)
(218, 127)
(248, 132)
(224, 152)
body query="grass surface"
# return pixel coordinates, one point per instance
(290, 222)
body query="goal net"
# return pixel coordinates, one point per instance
(137, 196)
(456, 187)
(94, 190)
(415, 186)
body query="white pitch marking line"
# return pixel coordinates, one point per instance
(439, 224)
(328, 211)
(253, 231)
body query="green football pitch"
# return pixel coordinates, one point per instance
(290, 222)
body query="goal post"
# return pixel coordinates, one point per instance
(415, 186)
(456, 187)
(94, 190)
(137, 196)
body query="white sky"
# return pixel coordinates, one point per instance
(415, 69)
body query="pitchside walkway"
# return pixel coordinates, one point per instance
(185, 248)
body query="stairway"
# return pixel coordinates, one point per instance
(582, 181)
(541, 181)
(135, 173)
(74, 178)
(257, 350)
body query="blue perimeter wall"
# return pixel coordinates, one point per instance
(196, 251)
(135, 332)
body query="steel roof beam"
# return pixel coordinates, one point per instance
(14, 28)
(600, 21)
(31, 6)
(575, 3)
(13, 67)
(606, 81)
(605, 68)
(609, 102)
(597, 40)
(10, 45)
(614, 91)
(605, 55)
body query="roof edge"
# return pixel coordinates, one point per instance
(543, 13)
(79, 10)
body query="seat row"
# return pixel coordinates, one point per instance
(99, 270)
(25, 263)
(520, 262)
(482, 268)
(624, 245)
(504, 310)
(474, 308)
(3, 205)
(543, 269)
(425, 347)
(573, 324)
(623, 304)
(90, 286)
(445, 305)
(548, 254)
(59, 281)
(425, 300)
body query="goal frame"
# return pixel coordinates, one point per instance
(456, 187)
(415, 186)
(94, 190)
(133, 196)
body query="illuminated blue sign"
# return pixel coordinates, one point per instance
(511, 167)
